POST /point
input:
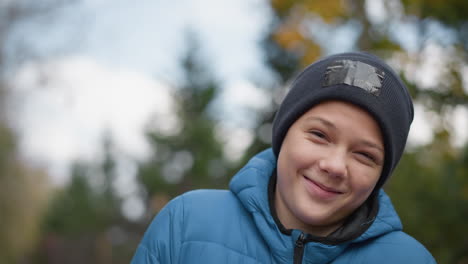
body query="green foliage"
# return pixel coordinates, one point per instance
(430, 192)
(84, 222)
(190, 157)
(80, 209)
(284, 62)
(450, 12)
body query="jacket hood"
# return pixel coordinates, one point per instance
(250, 185)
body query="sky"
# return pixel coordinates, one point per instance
(109, 67)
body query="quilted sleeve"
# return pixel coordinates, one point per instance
(162, 239)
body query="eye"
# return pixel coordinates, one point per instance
(318, 134)
(368, 157)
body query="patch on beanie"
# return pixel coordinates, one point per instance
(354, 73)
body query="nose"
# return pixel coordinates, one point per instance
(333, 163)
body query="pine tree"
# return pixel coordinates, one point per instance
(191, 156)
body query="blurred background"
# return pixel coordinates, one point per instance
(108, 109)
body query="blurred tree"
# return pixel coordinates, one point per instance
(81, 207)
(439, 184)
(22, 198)
(190, 156)
(84, 217)
(430, 192)
(23, 189)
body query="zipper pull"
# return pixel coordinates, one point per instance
(299, 249)
(300, 241)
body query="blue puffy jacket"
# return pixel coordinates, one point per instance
(237, 226)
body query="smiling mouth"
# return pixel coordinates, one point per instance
(323, 187)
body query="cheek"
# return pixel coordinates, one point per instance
(289, 163)
(365, 183)
(364, 192)
(294, 159)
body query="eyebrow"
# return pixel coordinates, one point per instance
(372, 145)
(321, 120)
(331, 125)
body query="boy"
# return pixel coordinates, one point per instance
(316, 196)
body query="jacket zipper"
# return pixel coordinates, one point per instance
(299, 249)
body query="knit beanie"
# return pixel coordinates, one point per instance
(358, 78)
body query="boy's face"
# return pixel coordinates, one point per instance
(329, 163)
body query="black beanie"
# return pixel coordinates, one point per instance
(358, 78)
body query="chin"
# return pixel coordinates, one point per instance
(318, 220)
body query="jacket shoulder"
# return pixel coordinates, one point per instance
(209, 213)
(199, 202)
(217, 227)
(209, 221)
(394, 247)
